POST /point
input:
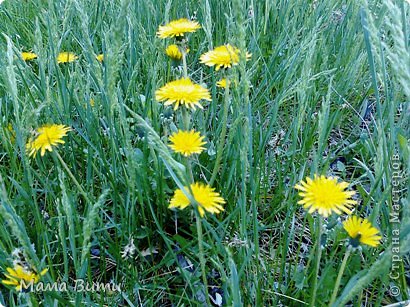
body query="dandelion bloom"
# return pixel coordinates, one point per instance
(361, 231)
(177, 28)
(21, 278)
(204, 195)
(100, 58)
(187, 142)
(325, 195)
(47, 137)
(173, 52)
(184, 92)
(66, 57)
(221, 83)
(28, 56)
(222, 57)
(12, 133)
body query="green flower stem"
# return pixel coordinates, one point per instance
(317, 258)
(82, 192)
(186, 118)
(201, 256)
(189, 168)
(185, 115)
(339, 276)
(221, 143)
(184, 64)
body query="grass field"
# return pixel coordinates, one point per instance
(325, 92)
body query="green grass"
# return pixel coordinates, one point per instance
(326, 92)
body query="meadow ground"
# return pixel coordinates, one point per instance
(315, 88)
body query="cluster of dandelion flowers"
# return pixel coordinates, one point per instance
(182, 92)
(66, 57)
(47, 137)
(187, 142)
(205, 196)
(361, 231)
(28, 56)
(224, 56)
(174, 52)
(21, 278)
(325, 195)
(178, 28)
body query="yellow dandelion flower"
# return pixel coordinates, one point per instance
(178, 28)
(221, 83)
(21, 278)
(361, 231)
(66, 57)
(28, 56)
(184, 92)
(325, 195)
(12, 132)
(204, 195)
(100, 58)
(47, 137)
(222, 57)
(187, 142)
(174, 52)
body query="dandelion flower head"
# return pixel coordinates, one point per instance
(206, 197)
(182, 92)
(66, 57)
(174, 52)
(100, 58)
(361, 231)
(28, 56)
(187, 142)
(221, 83)
(325, 195)
(178, 28)
(224, 56)
(47, 137)
(21, 278)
